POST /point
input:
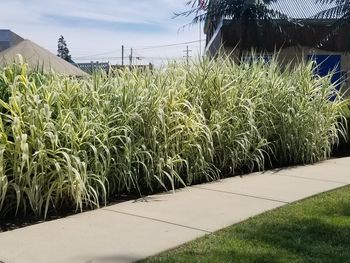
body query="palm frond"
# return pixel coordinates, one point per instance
(332, 13)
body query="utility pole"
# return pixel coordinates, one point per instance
(122, 55)
(187, 54)
(200, 38)
(130, 57)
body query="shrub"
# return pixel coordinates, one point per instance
(76, 142)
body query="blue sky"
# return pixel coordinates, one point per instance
(96, 29)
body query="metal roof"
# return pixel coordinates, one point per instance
(300, 9)
(8, 39)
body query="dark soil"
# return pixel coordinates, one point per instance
(343, 150)
(12, 223)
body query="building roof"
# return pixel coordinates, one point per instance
(300, 9)
(8, 39)
(38, 57)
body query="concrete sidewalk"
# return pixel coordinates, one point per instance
(134, 230)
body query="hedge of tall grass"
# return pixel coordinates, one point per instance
(69, 142)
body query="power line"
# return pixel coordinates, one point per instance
(170, 45)
(138, 57)
(139, 48)
(96, 55)
(98, 58)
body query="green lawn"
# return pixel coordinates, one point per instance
(313, 230)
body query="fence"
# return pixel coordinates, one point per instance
(93, 66)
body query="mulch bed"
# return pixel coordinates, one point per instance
(12, 223)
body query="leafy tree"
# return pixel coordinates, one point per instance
(247, 13)
(62, 50)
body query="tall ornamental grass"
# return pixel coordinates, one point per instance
(70, 142)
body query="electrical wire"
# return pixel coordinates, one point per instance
(138, 48)
(169, 45)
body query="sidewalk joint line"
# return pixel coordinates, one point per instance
(158, 220)
(312, 179)
(246, 195)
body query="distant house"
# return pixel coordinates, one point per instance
(8, 39)
(91, 67)
(307, 37)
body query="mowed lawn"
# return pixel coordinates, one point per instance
(312, 230)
